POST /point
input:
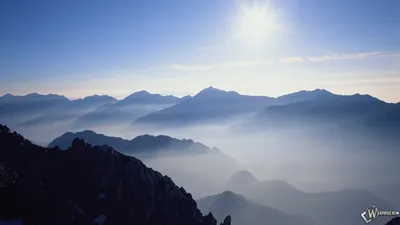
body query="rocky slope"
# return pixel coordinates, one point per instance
(87, 185)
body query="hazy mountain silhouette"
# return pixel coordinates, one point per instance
(244, 211)
(327, 109)
(146, 98)
(87, 185)
(94, 101)
(318, 94)
(128, 109)
(210, 104)
(323, 207)
(70, 111)
(351, 118)
(16, 109)
(145, 144)
(34, 102)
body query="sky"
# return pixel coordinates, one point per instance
(265, 47)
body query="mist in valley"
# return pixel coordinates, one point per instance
(292, 164)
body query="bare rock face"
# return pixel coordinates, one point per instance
(87, 185)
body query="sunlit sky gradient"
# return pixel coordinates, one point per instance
(78, 48)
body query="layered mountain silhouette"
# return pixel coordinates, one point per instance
(324, 107)
(86, 185)
(128, 109)
(16, 109)
(31, 102)
(38, 109)
(244, 211)
(330, 207)
(350, 118)
(70, 111)
(210, 104)
(139, 145)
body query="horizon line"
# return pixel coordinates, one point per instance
(191, 95)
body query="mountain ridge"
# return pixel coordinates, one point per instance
(140, 144)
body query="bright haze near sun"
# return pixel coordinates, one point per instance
(256, 23)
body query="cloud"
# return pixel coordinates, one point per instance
(351, 56)
(194, 68)
(292, 60)
(190, 68)
(220, 65)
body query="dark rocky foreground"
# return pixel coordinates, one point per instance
(87, 185)
(394, 221)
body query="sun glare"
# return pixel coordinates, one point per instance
(257, 23)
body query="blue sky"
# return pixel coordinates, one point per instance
(78, 48)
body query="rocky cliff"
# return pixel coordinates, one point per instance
(87, 185)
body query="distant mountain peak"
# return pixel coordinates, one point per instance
(33, 94)
(142, 92)
(147, 96)
(319, 90)
(96, 96)
(7, 95)
(243, 176)
(215, 92)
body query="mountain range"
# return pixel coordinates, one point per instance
(353, 117)
(87, 185)
(209, 105)
(37, 109)
(329, 207)
(128, 109)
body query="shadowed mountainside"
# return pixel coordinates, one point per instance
(87, 185)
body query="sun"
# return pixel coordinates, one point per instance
(257, 22)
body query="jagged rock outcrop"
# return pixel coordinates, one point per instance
(87, 185)
(394, 221)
